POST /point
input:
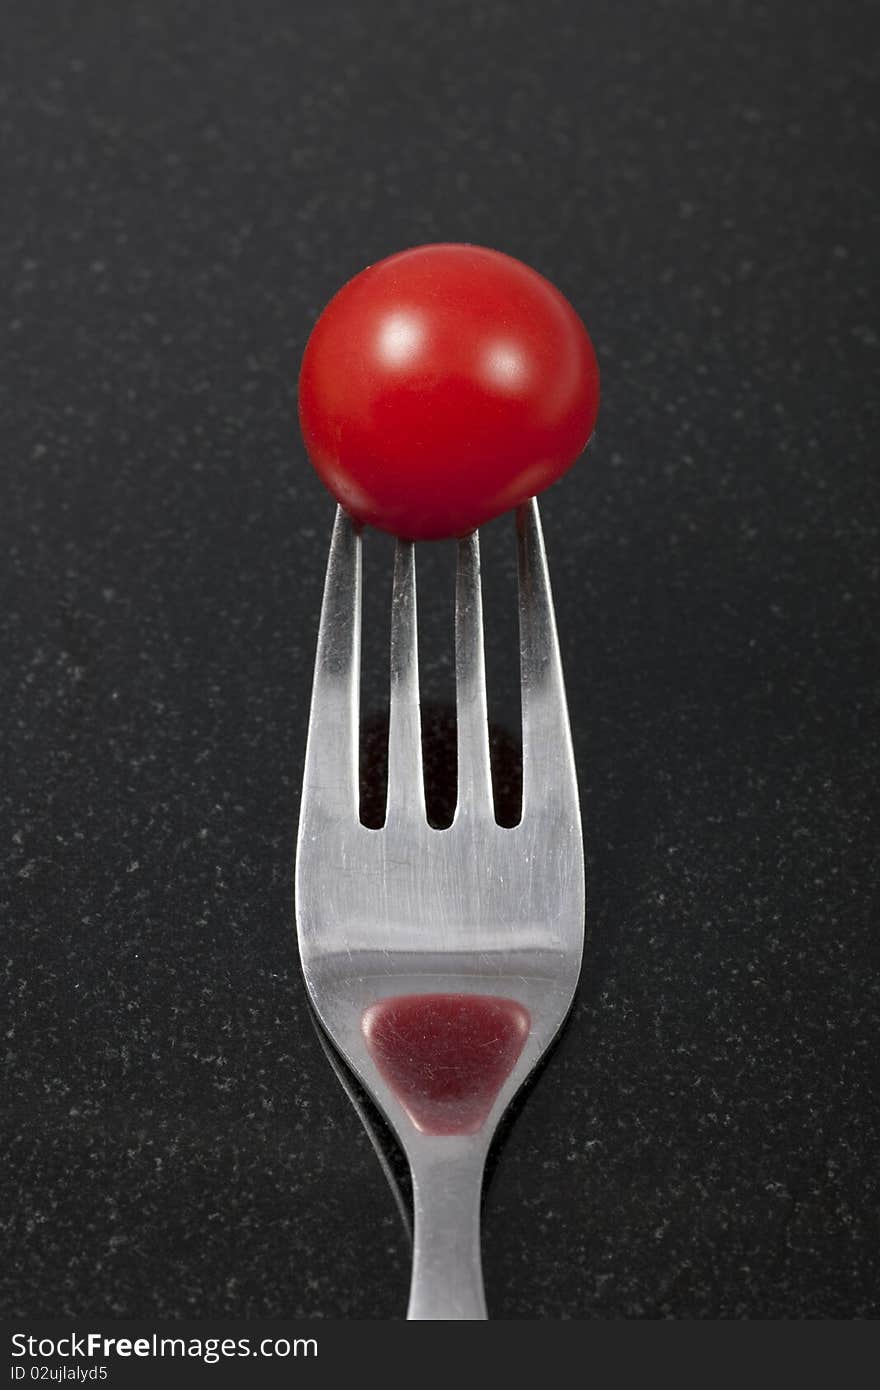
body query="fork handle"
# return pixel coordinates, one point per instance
(447, 1276)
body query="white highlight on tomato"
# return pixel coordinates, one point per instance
(400, 338)
(506, 367)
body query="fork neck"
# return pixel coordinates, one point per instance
(447, 1278)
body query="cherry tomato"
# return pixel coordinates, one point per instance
(444, 385)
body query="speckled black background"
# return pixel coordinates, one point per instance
(185, 185)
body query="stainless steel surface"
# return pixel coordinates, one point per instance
(408, 909)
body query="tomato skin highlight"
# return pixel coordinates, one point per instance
(443, 386)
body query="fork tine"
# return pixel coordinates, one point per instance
(474, 771)
(330, 779)
(406, 792)
(548, 757)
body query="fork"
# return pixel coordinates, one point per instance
(441, 962)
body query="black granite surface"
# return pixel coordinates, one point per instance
(185, 185)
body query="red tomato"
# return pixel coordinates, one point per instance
(444, 385)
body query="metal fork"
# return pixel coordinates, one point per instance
(440, 962)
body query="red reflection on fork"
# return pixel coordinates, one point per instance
(446, 1056)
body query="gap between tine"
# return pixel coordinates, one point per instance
(406, 791)
(474, 769)
(330, 778)
(548, 757)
